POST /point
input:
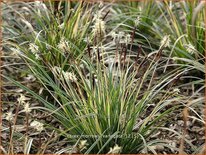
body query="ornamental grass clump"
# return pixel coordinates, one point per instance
(94, 103)
(101, 95)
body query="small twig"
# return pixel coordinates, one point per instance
(89, 50)
(27, 127)
(93, 81)
(133, 34)
(10, 128)
(173, 82)
(106, 15)
(117, 53)
(138, 53)
(98, 55)
(52, 138)
(185, 118)
(40, 142)
(143, 62)
(10, 139)
(125, 54)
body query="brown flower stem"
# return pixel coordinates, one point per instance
(10, 139)
(125, 54)
(89, 50)
(52, 138)
(10, 128)
(185, 118)
(98, 55)
(143, 62)
(133, 34)
(16, 114)
(116, 55)
(27, 124)
(138, 53)
(40, 142)
(93, 81)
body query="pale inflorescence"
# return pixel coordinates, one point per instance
(9, 116)
(99, 25)
(37, 125)
(56, 70)
(22, 99)
(63, 45)
(121, 37)
(16, 51)
(61, 26)
(137, 21)
(97, 16)
(176, 90)
(99, 28)
(165, 41)
(27, 108)
(68, 76)
(35, 50)
(40, 4)
(127, 39)
(83, 144)
(190, 48)
(116, 149)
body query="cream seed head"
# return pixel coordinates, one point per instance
(37, 125)
(176, 90)
(190, 48)
(61, 26)
(121, 37)
(15, 51)
(97, 16)
(40, 4)
(101, 4)
(99, 28)
(137, 21)
(116, 149)
(82, 144)
(120, 34)
(165, 41)
(127, 39)
(27, 108)
(69, 76)
(37, 57)
(56, 70)
(114, 35)
(22, 99)
(33, 48)
(9, 116)
(63, 45)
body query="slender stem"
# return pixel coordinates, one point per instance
(133, 34)
(10, 138)
(40, 141)
(12, 130)
(106, 15)
(27, 127)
